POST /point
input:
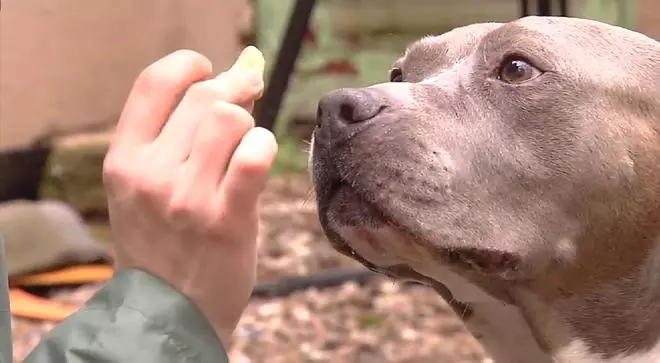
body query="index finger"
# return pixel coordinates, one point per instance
(155, 94)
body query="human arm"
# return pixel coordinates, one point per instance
(183, 176)
(135, 317)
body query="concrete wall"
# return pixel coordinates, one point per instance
(67, 63)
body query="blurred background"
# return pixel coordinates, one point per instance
(65, 69)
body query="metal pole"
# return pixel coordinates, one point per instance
(544, 8)
(563, 7)
(268, 107)
(524, 8)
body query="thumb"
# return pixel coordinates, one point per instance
(247, 172)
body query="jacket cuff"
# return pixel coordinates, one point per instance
(164, 307)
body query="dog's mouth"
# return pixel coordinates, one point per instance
(389, 249)
(365, 232)
(376, 225)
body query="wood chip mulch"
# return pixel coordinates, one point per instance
(378, 322)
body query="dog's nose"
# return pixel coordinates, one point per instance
(347, 106)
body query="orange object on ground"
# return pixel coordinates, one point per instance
(74, 275)
(26, 305)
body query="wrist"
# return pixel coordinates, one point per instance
(225, 335)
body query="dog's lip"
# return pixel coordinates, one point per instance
(491, 263)
(335, 237)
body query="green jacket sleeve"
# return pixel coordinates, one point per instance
(135, 317)
(5, 320)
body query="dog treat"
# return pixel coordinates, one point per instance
(251, 60)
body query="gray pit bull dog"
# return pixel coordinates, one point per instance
(516, 169)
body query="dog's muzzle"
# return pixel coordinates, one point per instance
(368, 165)
(341, 115)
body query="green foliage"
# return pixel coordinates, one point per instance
(617, 12)
(291, 157)
(383, 35)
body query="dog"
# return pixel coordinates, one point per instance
(515, 168)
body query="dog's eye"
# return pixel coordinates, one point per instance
(396, 75)
(516, 70)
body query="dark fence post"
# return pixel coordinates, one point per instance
(543, 7)
(563, 7)
(524, 8)
(268, 107)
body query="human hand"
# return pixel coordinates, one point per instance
(183, 180)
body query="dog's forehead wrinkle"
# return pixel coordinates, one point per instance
(434, 52)
(448, 78)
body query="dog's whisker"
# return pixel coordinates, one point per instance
(309, 198)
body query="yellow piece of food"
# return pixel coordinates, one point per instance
(251, 60)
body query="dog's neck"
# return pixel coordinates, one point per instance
(615, 321)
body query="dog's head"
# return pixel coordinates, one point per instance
(525, 153)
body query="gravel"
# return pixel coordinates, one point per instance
(379, 322)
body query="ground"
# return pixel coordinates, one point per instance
(379, 322)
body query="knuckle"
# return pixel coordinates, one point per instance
(211, 89)
(137, 181)
(169, 72)
(153, 185)
(155, 79)
(192, 57)
(189, 207)
(177, 210)
(184, 211)
(243, 119)
(114, 172)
